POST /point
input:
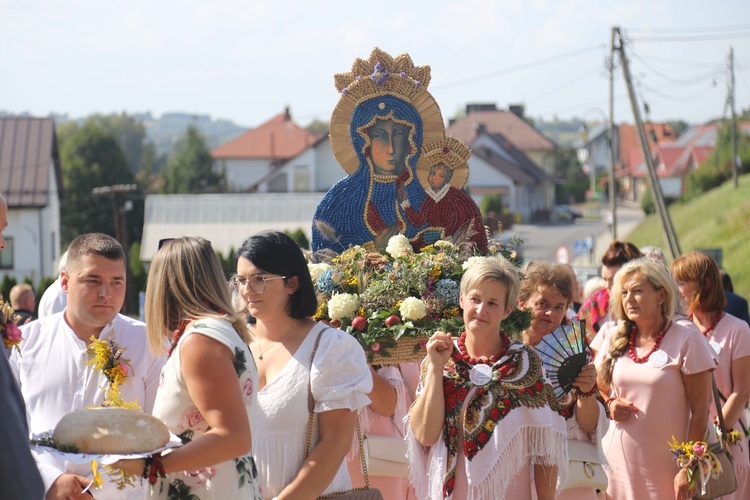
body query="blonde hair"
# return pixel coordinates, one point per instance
(493, 268)
(186, 281)
(658, 277)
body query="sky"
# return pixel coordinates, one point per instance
(246, 60)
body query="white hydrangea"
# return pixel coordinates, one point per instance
(343, 306)
(317, 269)
(443, 244)
(468, 262)
(399, 246)
(413, 308)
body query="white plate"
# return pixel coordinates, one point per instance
(82, 458)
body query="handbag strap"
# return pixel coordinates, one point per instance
(310, 424)
(739, 420)
(722, 425)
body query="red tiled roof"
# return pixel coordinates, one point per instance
(701, 153)
(279, 139)
(630, 153)
(521, 134)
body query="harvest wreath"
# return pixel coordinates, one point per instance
(392, 301)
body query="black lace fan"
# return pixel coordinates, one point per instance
(564, 352)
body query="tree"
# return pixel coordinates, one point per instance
(573, 182)
(91, 157)
(129, 133)
(320, 127)
(190, 168)
(679, 126)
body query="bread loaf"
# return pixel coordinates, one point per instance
(107, 431)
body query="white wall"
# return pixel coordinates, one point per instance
(327, 171)
(243, 173)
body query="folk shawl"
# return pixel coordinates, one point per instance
(508, 424)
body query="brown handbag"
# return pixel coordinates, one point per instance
(726, 482)
(361, 493)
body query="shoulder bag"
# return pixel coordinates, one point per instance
(726, 482)
(584, 467)
(362, 493)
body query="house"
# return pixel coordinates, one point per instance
(511, 124)
(248, 160)
(31, 182)
(497, 166)
(226, 220)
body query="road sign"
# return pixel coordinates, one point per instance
(579, 247)
(563, 256)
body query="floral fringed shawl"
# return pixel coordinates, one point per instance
(510, 423)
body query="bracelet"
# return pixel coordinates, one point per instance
(153, 469)
(586, 395)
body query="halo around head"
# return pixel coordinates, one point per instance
(379, 76)
(450, 152)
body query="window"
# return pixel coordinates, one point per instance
(6, 255)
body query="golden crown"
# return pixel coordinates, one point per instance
(449, 151)
(380, 74)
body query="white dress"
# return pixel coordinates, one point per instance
(340, 378)
(235, 479)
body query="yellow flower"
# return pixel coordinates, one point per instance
(489, 425)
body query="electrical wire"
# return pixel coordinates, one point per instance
(696, 38)
(689, 30)
(700, 94)
(568, 83)
(694, 80)
(679, 62)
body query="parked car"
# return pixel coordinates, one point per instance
(566, 213)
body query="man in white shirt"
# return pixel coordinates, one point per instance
(54, 299)
(53, 368)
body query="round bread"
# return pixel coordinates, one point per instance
(105, 431)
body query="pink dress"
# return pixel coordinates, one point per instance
(404, 379)
(731, 341)
(640, 464)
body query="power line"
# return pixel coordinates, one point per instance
(700, 94)
(679, 62)
(568, 83)
(696, 38)
(690, 81)
(688, 30)
(532, 64)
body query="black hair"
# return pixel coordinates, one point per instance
(277, 253)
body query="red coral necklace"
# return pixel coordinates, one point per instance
(717, 318)
(492, 360)
(177, 334)
(631, 348)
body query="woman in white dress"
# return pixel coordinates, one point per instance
(273, 280)
(208, 384)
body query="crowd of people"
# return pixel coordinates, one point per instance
(270, 404)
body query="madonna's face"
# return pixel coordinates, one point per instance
(389, 146)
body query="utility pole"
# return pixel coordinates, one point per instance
(735, 165)
(661, 207)
(611, 137)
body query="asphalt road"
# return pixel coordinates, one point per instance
(542, 241)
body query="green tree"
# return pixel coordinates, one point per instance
(491, 203)
(717, 168)
(91, 157)
(319, 126)
(299, 236)
(190, 168)
(5, 286)
(129, 133)
(572, 181)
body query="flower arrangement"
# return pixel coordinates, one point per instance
(8, 328)
(107, 357)
(695, 453)
(397, 298)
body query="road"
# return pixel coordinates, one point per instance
(541, 241)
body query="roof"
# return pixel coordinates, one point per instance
(277, 139)
(701, 153)
(521, 134)
(515, 164)
(224, 219)
(629, 149)
(27, 147)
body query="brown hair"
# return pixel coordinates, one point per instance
(186, 281)
(544, 274)
(93, 244)
(620, 252)
(701, 269)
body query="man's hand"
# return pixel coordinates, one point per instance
(69, 487)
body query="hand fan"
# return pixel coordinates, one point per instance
(564, 352)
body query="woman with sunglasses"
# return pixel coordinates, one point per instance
(274, 282)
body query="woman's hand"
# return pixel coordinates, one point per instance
(586, 379)
(439, 348)
(134, 466)
(620, 410)
(682, 489)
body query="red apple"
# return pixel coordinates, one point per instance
(392, 320)
(359, 323)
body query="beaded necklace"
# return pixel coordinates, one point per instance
(177, 334)
(631, 348)
(717, 318)
(492, 360)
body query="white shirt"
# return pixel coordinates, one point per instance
(56, 380)
(53, 300)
